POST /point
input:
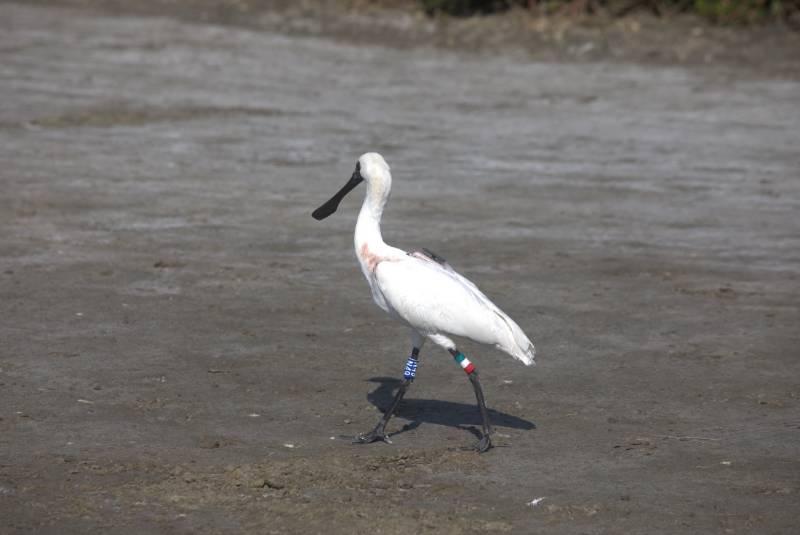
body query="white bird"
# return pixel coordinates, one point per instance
(424, 292)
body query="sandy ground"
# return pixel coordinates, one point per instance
(184, 350)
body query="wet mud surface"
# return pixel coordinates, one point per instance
(640, 37)
(184, 350)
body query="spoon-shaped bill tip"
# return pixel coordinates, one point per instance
(333, 203)
(325, 210)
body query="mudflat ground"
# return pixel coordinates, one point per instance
(184, 350)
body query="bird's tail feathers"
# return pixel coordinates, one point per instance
(516, 344)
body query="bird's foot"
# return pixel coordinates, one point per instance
(377, 434)
(484, 444)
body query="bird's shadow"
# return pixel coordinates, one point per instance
(433, 411)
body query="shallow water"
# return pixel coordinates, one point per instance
(691, 160)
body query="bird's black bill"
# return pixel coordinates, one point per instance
(333, 203)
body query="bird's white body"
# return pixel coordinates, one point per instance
(426, 294)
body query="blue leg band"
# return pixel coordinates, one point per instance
(411, 369)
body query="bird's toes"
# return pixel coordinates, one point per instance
(372, 436)
(484, 444)
(363, 438)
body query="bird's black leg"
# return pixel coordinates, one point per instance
(379, 433)
(485, 443)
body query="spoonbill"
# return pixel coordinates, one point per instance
(420, 289)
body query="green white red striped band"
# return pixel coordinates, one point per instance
(465, 363)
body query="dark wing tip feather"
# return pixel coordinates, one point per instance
(435, 257)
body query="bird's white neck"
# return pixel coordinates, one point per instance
(371, 250)
(368, 226)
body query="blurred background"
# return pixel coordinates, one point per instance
(183, 349)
